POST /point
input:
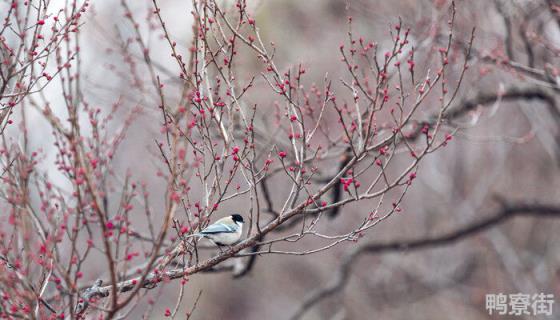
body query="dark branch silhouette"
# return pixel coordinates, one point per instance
(340, 279)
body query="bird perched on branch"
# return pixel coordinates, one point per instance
(224, 232)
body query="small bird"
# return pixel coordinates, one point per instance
(224, 232)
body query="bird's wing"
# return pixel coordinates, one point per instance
(218, 228)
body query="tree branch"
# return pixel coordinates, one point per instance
(449, 238)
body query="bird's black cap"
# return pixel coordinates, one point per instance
(237, 218)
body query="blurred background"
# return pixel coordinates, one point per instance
(506, 151)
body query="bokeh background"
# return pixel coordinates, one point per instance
(509, 154)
